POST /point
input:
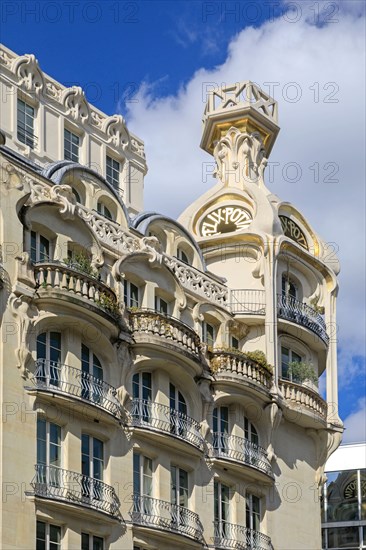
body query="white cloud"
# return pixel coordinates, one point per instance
(355, 424)
(324, 129)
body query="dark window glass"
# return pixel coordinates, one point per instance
(25, 123)
(343, 537)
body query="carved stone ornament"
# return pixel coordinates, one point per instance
(274, 416)
(12, 178)
(25, 273)
(116, 130)
(63, 194)
(76, 104)
(25, 313)
(240, 157)
(153, 247)
(30, 75)
(325, 443)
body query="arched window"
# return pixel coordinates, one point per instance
(48, 370)
(104, 211)
(92, 376)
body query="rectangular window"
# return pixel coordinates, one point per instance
(142, 483)
(208, 334)
(161, 305)
(252, 512)
(92, 466)
(288, 356)
(131, 294)
(48, 452)
(25, 124)
(91, 542)
(179, 486)
(71, 146)
(221, 509)
(234, 343)
(48, 536)
(113, 170)
(40, 248)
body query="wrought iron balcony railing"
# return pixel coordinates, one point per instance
(59, 484)
(293, 310)
(155, 416)
(151, 512)
(237, 537)
(73, 382)
(53, 275)
(247, 301)
(238, 449)
(149, 321)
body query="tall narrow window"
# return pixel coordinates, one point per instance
(104, 211)
(221, 509)
(252, 512)
(234, 342)
(142, 483)
(179, 495)
(178, 411)
(113, 170)
(208, 334)
(92, 376)
(161, 305)
(48, 536)
(288, 356)
(92, 466)
(91, 542)
(25, 123)
(48, 452)
(250, 443)
(288, 287)
(49, 366)
(142, 397)
(131, 294)
(221, 429)
(40, 248)
(182, 256)
(71, 146)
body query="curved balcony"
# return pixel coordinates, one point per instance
(70, 281)
(147, 322)
(242, 451)
(71, 487)
(237, 537)
(161, 418)
(77, 384)
(293, 310)
(237, 365)
(303, 397)
(159, 514)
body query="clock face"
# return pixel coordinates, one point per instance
(225, 219)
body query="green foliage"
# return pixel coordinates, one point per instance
(299, 371)
(109, 304)
(80, 262)
(259, 357)
(256, 356)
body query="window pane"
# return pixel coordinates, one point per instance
(136, 473)
(84, 541)
(343, 537)
(97, 543)
(363, 495)
(41, 442)
(55, 534)
(342, 502)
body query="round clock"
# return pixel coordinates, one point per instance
(225, 219)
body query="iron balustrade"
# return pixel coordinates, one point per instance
(59, 484)
(237, 537)
(247, 301)
(59, 276)
(293, 310)
(146, 414)
(241, 450)
(165, 326)
(152, 512)
(54, 377)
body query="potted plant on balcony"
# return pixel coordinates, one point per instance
(302, 372)
(82, 263)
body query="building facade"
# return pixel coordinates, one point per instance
(158, 377)
(344, 499)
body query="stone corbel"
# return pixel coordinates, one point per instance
(25, 313)
(24, 273)
(273, 416)
(237, 329)
(197, 317)
(12, 178)
(63, 194)
(153, 247)
(29, 73)
(75, 103)
(325, 442)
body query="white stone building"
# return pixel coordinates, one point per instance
(158, 378)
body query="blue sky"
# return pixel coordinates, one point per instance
(150, 60)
